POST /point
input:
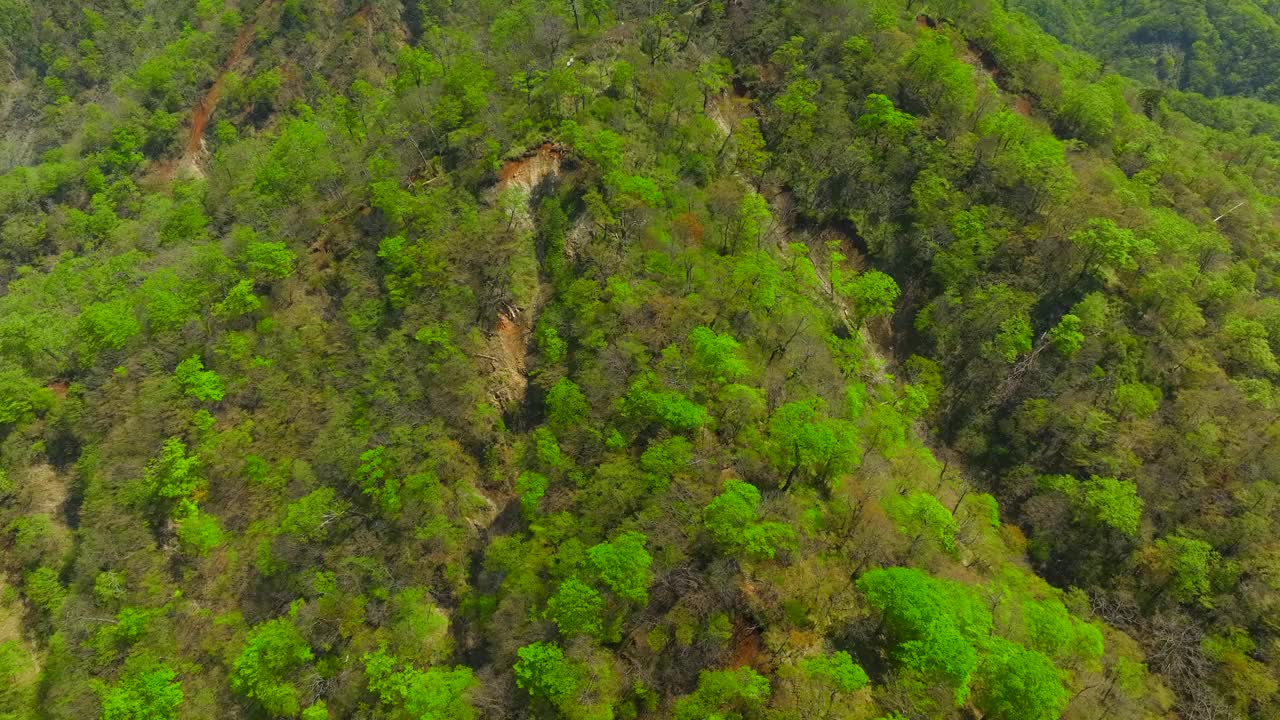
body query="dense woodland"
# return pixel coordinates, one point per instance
(595, 359)
(1211, 47)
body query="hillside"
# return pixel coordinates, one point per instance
(753, 360)
(1203, 46)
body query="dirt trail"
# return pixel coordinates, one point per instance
(202, 111)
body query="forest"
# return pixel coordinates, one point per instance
(640, 359)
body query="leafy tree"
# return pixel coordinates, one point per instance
(169, 302)
(715, 356)
(663, 459)
(267, 261)
(309, 518)
(1246, 344)
(1101, 501)
(648, 401)
(21, 396)
(1052, 630)
(728, 694)
(1112, 502)
(148, 690)
(377, 481)
(939, 81)
(872, 293)
(750, 154)
(173, 474)
(714, 77)
(1137, 400)
(930, 623)
(733, 520)
(1089, 110)
(543, 671)
(410, 693)
(201, 384)
(531, 487)
(566, 406)
(622, 564)
(1183, 567)
(576, 609)
(884, 122)
(838, 669)
(239, 301)
(420, 628)
(807, 445)
(1014, 683)
(44, 590)
(1066, 336)
(753, 219)
(108, 326)
(18, 693)
(1109, 248)
(268, 665)
(796, 107)
(199, 532)
(920, 515)
(298, 160)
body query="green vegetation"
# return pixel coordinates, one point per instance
(1211, 48)
(618, 360)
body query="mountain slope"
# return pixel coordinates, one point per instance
(599, 360)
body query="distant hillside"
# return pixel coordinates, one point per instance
(1212, 47)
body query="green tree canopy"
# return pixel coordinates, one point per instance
(413, 694)
(201, 384)
(733, 520)
(148, 690)
(727, 694)
(623, 565)
(576, 609)
(268, 666)
(920, 515)
(1014, 683)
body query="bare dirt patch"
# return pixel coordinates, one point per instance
(746, 644)
(981, 59)
(726, 110)
(531, 169)
(507, 348)
(510, 351)
(46, 492)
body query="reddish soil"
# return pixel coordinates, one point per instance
(509, 348)
(1023, 105)
(59, 388)
(529, 170)
(746, 644)
(203, 110)
(926, 21)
